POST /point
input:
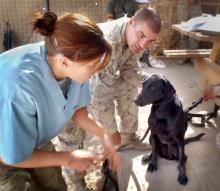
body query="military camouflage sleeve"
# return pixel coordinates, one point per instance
(132, 72)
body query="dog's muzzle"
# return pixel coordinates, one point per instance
(138, 102)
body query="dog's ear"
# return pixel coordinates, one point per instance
(168, 90)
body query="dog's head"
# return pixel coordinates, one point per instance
(156, 88)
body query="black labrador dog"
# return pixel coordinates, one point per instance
(167, 123)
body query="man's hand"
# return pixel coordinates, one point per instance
(208, 94)
(116, 138)
(82, 160)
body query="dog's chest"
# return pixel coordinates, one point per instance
(163, 131)
(161, 128)
(165, 121)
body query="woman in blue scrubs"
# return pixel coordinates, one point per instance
(42, 87)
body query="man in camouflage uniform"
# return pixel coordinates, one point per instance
(187, 9)
(116, 86)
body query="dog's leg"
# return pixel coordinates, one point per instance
(170, 151)
(153, 162)
(146, 158)
(182, 178)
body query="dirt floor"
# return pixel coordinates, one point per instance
(203, 156)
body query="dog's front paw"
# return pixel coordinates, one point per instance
(182, 179)
(146, 159)
(152, 167)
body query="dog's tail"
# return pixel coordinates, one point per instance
(195, 138)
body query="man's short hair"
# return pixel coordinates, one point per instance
(151, 17)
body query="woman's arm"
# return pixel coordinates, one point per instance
(78, 160)
(85, 120)
(41, 158)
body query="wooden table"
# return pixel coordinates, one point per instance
(215, 40)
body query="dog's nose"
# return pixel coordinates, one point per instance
(137, 102)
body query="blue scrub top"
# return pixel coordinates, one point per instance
(33, 108)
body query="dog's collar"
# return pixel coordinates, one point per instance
(165, 102)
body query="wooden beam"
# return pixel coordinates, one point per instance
(195, 53)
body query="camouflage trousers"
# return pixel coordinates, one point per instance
(71, 138)
(104, 110)
(184, 13)
(36, 179)
(113, 106)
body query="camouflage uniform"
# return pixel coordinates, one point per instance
(184, 13)
(117, 84)
(36, 179)
(71, 138)
(104, 111)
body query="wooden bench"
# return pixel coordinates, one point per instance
(193, 53)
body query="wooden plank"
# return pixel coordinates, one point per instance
(189, 50)
(197, 53)
(187, 56)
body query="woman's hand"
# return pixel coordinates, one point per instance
(82, 160)
(208, 94)
(111, 154)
